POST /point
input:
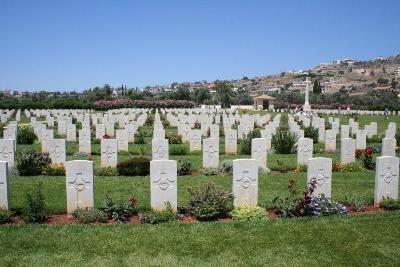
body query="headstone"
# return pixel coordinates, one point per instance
(109, 152)
(245, 182)
(85, 141)
(163, 184)
(100, 131)
(386, 179)
(347, 150)
(7, 152)
(158, 134)
(210, 153)
(195, 140)
(361, 139)
(122, 137)
(304, 150)
(159, 149)
(4, 188)
(344, 131)
(320, 169)
(57, 151)
(259, 151)
(80, 186)
(330, 140)
(389, 147)
(71, 133)
(230, 141)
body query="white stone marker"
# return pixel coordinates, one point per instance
(210, 153)
(245, 182)
(57, 151)
(389, 147)
(48, 135)
(160, 149)
(4, 188)
(330, 141)
(79, 183)
(85, 145)
(100, 131)
(230, 141)
(195, 140)
(320, 169)
(347, 150)
(122, 137)
(259, 151)
(361, 139)
(214, 131)
(386, 179)
(304, 150)
(344, 131)
(7, 151)
(163, 184)
(159, 134)
(71, 133)
(109, 152)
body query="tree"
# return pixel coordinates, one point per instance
(201, 95)
(183, 93)
(225, 93)
(317, 87)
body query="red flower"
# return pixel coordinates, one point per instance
(358, 153)
(133, 201)
(369, 151)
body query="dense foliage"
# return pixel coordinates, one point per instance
(25, 135)
(31, 162)
(35, 208)
(138, 166)
(283, 141)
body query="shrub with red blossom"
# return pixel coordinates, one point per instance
(127, 103)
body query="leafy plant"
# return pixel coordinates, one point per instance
(25, 135)
(368, 161)
(357, 203)
(283, 141)
(56, 169)
(35, 206)
(106, 171)
(390, 204)
(311, 132)
(31, 162)
(184, 167)
(120, 210)
(209, 171)
(174, 138)
(178, 150)
(140, 137)
(227, 166)
(323, 206)
(209, 201)
(248, 213)
(245, 144)
(155, 217)
(138, 166)
(5, 215)
(90, 215)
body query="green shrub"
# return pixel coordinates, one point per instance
(90, 216)
(248, 213)
(390, 204)
(120, 210)
(56, 169)
(178, 150)
(311, 132)
(174, 138)
(5, 215)
(245, 144)
(184, 167)
(397, 136)
(149, 121)
(25, 135)
(209, 201)
(140, 137)
(138, 166)
(227, 166)
(106, 171)
(209, 171)
(357, 203)
(35, 206)
(374, 139)
(155, 217)
(283, 141)
(31, 162)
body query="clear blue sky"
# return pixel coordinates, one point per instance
(78, 44)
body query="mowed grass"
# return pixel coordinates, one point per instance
(372, 240)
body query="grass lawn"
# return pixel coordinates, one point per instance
(336, 241)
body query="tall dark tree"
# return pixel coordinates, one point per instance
(225, 93)
(201, 95)
(317, 87)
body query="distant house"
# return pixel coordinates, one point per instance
(263, 102)
(397, 71)
(300, 87)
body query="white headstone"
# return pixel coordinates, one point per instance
(4, 188)
(230, 141)
(122, 137)
(304, 150)
(347, 150)
(245, 182)
(320, 169)
(195, 140)
(159, 149)
(361, 139)
(57, 151)
(109, 152)
(79, 183)
(386, 179)
(7, 151)
(330, 140)
(259, 151)
(210, 153)
(389, 147)
(163, 184)
(85, 141)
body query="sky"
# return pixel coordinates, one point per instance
(75, 45)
